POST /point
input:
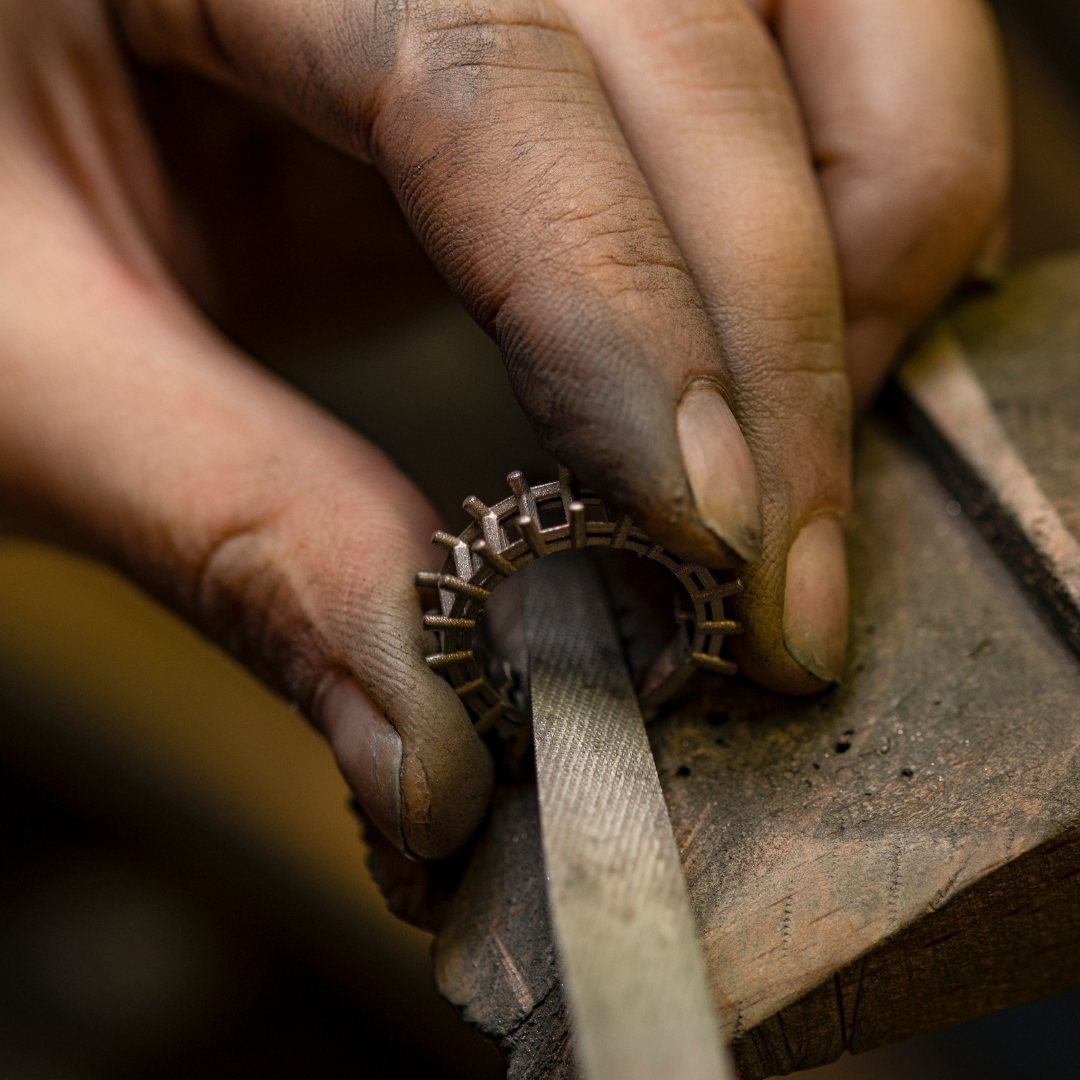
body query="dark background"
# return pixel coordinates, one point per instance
(181, 890)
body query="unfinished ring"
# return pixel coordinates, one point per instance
(532, 523)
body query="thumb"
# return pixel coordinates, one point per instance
(321, 602)
(138, 434)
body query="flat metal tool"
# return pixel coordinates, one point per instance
(634, 975)
(633, 971)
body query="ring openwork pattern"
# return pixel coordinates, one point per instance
(532, 523)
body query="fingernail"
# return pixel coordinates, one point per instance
(816, 599)
(721, 471)
(368, 752)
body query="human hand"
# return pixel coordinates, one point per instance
(906, 112)
(567, 169)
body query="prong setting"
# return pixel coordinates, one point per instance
(504, 537)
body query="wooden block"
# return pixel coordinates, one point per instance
(896, 856)
(993, 399)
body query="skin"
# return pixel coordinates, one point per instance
(668, 213)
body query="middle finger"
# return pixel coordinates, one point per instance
(701, 94)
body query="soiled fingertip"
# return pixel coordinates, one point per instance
(816, 599)
(721, 471)
(368, 752)
(426, 798)
(444, 799)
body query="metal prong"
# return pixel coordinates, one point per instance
(718, 592)
(522, 493)
(499, 563)
(456, 585)
(578, 536)
(566, 488)
(715, 663)
(531, 531)
(485, 517)
(443, 622)
(720, 626)
(465, 689)
(518, 484)
(488, 717)
(444, 540)
(623, 524)
(438, 661)
(427, 579)
(475, 508)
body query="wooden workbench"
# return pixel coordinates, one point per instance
(900, 854)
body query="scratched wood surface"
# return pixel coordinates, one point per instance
(996, 409)
(1024, 344)
(894, 857)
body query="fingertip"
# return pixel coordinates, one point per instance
(368, 752)
(796, 618)
(815, 623)
(447, 773)
(443, 810)
(720, 468)
(425, 794)
(769, 664)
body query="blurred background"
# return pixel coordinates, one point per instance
(182, 888)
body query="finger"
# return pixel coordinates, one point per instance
(129, 427)
(492, 129)
(906, 109)
(701, 93)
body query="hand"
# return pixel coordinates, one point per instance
(906, 113)
(621, 192)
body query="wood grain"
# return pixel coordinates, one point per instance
(894, 857)
(993, 400)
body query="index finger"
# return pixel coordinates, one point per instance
(702, 93)
(495, 134)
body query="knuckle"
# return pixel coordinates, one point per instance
(934, 213)
(507, 97)
(717, 47)
(965, 178)
(447, 49)
(502, 88)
